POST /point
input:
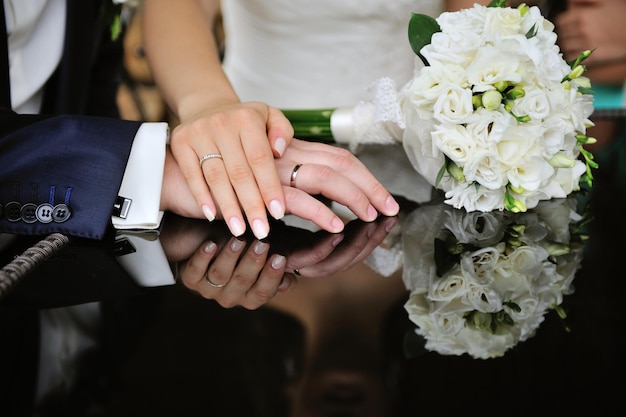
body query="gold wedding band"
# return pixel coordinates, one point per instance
(210, 156)
(212, 284)
(294, 174)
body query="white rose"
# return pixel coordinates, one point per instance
(492, 65)
(452, 285)
(484, 298)
(475, 198)
(478, 266)
(455, 142)
(445, 324)
(487, 170)
(534, 104)
(568, 179)
(530, 173)
(504, 21)
(476, 228)
(451, 48)
(454, 105)
(518, 143)
(470, 20)
(527, 260)
(485, 345)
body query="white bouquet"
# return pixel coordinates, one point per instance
(496, 118)
(480, 283)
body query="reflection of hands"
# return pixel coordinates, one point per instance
(233, 271)
(236, 133)
(246, 272)
(321, 254)
(595, 25)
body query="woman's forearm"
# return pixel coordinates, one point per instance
(183, 54)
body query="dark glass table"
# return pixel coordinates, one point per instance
(80, 337)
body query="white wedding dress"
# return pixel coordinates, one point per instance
(307, 54)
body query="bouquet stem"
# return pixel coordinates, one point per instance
(312, 124)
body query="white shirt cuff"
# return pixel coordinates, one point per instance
(143, 178)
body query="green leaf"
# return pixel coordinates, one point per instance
(421, 30)
(440, 174)
(497, 3)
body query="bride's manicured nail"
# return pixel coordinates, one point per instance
(236, 227)
(392, 205)
(280, 145)
(208, 213)
(260, 229)
(337, 225)
(276, 209)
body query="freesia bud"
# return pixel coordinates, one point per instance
(584, 139)
(492, 99)
(557, 249)
(519, 228)
(576, 72)
(523, 8)
(455, 171)
(477, 101)
(501, 85)
(517, 92)
(481, 320)
(512, 204)
(561, 161)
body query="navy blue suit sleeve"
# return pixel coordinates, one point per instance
(62, 173)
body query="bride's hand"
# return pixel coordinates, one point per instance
(336, 174)
(240, 142)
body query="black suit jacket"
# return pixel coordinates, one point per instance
(62, 173)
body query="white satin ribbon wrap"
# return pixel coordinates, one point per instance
(378, 120)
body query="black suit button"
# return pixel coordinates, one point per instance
(61, 213)
(44, 213)
(28, 213)
(13, 211)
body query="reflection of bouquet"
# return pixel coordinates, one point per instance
(496, 118)
(482, 282)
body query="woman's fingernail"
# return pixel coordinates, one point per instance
(280, 145)
(236, 245)
(337, 225)
(260, 248)
(392, 205)
(208, 213)
(337, 240)
(236, 227)
(278, 261)
(276, 209)
(260, 229)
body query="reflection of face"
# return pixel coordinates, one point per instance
(343, 376)
(339, 393)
